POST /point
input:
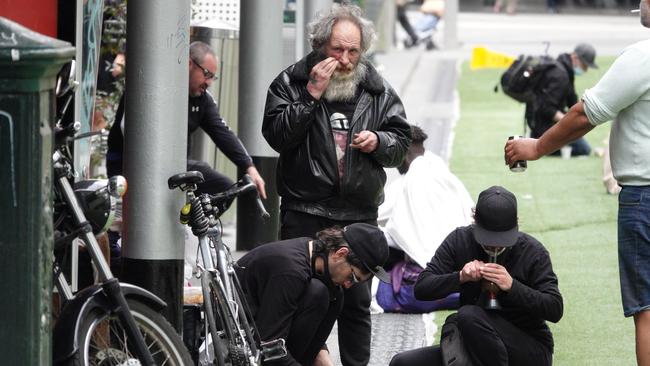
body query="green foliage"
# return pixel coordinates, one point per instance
(563, 203)
(114, 28)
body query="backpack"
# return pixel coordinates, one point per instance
(520, 80)
(398, 296)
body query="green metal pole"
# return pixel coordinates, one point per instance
(28, 65)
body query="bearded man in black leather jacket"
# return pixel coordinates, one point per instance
(555, 93)
(336, 124)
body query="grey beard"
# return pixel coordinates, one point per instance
(343, 88)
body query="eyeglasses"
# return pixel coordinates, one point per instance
(353, 277)
(207, 74)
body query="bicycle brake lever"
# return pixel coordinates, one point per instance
(260, 206)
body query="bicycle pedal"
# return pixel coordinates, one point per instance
(273, 350)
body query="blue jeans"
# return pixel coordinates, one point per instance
(580, 147)
(634, 248)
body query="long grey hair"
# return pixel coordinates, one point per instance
(320, 29)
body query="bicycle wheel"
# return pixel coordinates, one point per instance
(103, 341)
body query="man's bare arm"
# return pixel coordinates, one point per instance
(571, 127)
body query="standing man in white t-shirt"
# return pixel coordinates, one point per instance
(622, 95)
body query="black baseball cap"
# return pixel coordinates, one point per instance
(495, 218)
(587, 54)
(369, 244)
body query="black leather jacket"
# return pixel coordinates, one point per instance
(297, 126)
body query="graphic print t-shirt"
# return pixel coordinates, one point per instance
(340, 117)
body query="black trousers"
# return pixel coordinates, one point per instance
(214, 182)
(312, 323)
(354, 326)
(404, 22)
(490, 340)
(426, 356)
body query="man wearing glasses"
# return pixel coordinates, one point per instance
(295, 287)
(203, 112)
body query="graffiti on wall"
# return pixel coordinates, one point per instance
(91, 43)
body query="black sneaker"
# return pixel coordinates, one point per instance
(431, 45)
(410, 42)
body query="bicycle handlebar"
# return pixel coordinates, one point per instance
(231, 193)
(258, 200)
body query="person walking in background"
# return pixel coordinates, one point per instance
(430, 12)
(621, 95)
(511, 7)
(336, 123)
(523, 279)
(406, 24)
(556, 92)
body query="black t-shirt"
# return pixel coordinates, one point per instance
(274, 277)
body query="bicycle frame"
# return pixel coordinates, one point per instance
(221, 275)
(223, 298)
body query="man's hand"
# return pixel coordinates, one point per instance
(471, 271)
(257, 179)
(521, 149)
(319, 77)
(365, 141)
(323, 359)
(497, 274)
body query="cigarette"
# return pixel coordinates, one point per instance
(635, 10)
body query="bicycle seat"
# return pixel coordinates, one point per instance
(182, 179)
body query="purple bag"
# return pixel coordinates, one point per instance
(398, 297)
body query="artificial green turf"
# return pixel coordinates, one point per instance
(563, 203)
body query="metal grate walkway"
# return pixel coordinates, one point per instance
(391, 334)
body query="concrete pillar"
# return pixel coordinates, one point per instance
(155, 144)
(260, 60)
(450, 34)
(305, 14)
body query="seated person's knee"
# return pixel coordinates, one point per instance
(468, 316)
(318, 295)
(399, 360)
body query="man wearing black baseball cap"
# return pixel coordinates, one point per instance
(522, 277)
(295, 287)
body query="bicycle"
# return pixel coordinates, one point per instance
(108, 323)
(230, 337)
